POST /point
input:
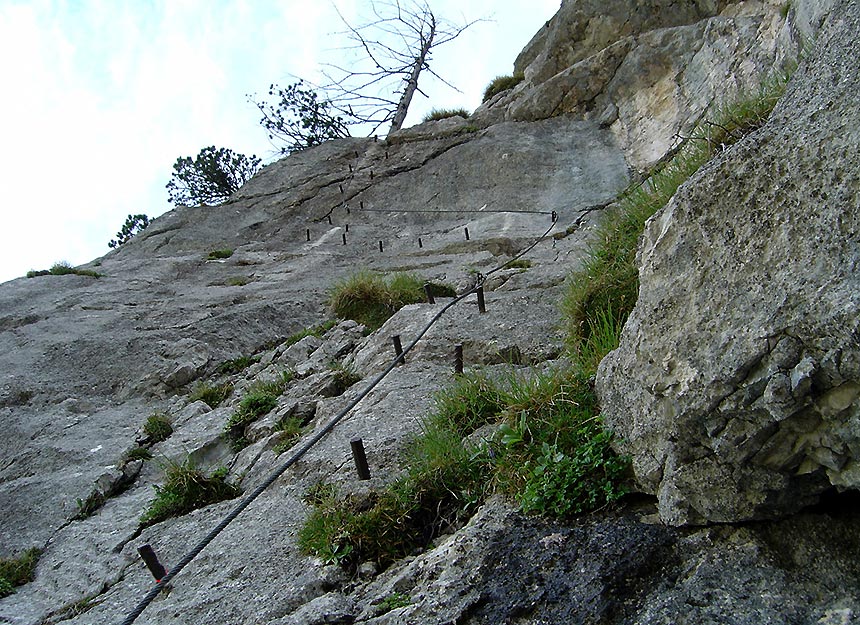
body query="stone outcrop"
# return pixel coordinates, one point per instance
(651, 71)
(86, 360)
(735, 388)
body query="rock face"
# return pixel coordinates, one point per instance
(650, 71)
(770, 402)
(736, 385)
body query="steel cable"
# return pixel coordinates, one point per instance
(316, 438)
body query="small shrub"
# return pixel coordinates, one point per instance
(185, 489)
(371, 300)
(502, 83)
(18, 571)
(63, 268)
(437, 114)
(157, 427)
(238, 281)
(219, 254)
(237, 364)
(211, 395)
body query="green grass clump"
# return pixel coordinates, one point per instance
(291, 428)
(371, 299)
(18, 571)
(185, 489)
(236, 365)
(157, 427)
(260, 399)
(502, 83)
(547, 450)
(63, 268)
(520, 263)
(219, 254)
(437, 114)
(602, 294)
(392, 602)
(211, 394)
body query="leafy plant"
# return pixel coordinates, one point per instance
(371, 300)
(18, 571)
(185, 489)
(211, 394)
(392, 602)
(502, 83)
(210, 178)
(219, 254)
(344, 376)
(563, 484)
(133, 224)
(157, 427)
(437, 114)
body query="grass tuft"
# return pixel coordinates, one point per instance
(18, 571)
(185, 489)
(502, 83)
(211, 394)
(371, 299)
(219, 254)
(437, 114)
(260, 399)
(236, 365)
(157, 427)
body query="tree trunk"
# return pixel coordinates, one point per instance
(412, 83)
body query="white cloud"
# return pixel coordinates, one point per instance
(101, 97)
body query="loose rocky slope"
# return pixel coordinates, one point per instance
(87, 360)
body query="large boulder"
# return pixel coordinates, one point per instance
(735, 387)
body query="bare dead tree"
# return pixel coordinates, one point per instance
(395, 46)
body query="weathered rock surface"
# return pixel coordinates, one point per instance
(736, 384)
(86, 361)
(651, 71)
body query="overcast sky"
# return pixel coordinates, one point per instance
(102, 96)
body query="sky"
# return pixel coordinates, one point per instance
(102, 96)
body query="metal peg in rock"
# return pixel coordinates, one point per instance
(420, 244)
(380, 246)
(398, 349)
(428, 291)
(554, 217)
(308, 231)
(343, 235)
(360, 459)
(466, 230)
(458, 358)
(482, 305)
(151, 560)
(329, 219)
